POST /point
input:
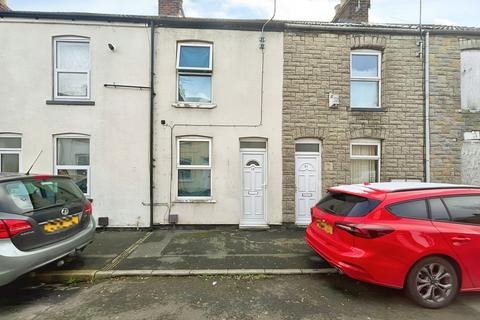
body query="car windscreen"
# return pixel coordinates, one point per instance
(29, 195)
(347, 205)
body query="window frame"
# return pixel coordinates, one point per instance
(194, 71)
(194, 167)
(378, 78)
(57, 167)
(57, 70)
(17, 151)
(368, 142)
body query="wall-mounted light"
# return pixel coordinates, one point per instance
(111, 47)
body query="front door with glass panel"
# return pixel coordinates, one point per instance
(307, 180)
(253, 189)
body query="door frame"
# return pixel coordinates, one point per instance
(319, 168)
(246, 151)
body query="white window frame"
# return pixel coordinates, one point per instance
(368, 142)
(195, 167)
(12, 150)
(194, 71)
(57, 167)
(378, 78)
(57, 70)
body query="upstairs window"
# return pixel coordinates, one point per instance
(194, 168)
(470, 80)
(10, 151)
(73, 159)
(194, 72)
(365, 159)
(365, 79)
(71, 68)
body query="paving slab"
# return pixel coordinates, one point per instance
(105, 247)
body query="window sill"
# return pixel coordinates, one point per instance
(467, 111)
(367, 109)
(70, 103)
(194, 201)
(194, 105)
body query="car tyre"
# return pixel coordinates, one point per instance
(432, 282)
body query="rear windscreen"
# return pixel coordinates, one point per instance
(346, 205)
(29, 195)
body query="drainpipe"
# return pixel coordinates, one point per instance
(427, 107)
(152, 100)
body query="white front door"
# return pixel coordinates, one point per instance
(253, 189)
(307, 188)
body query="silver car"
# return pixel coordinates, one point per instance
(42, 219)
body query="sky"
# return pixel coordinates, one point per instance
(458, 12)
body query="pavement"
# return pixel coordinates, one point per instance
(183, 252)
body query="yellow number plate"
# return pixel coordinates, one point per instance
(61, 224)
(322, 225)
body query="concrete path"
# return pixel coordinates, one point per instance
(223, 250)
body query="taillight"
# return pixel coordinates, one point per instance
(10, 228)
(366, 231)
(87, 209)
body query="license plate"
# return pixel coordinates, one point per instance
(322, 225)
(61, 224)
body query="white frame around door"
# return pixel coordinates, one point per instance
(246, 151)
(304, 154)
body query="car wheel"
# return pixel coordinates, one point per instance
(432, 282)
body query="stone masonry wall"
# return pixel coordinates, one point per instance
(448, 121)
(316, 63)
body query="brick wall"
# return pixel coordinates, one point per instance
(448, 121)
(316, 63)
(172, 8)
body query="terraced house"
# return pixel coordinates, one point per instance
(167, 119)
(370, 102)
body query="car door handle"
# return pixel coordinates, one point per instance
(460, 239)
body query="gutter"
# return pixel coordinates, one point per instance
(427, 108)
(151, 129)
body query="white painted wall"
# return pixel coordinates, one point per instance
(237, 94)
(117, 124)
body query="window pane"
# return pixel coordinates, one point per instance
(80, 177)
(194, 183)
(307, 147)
(364, 150)
(464, 209)
(73, 151)
(10, 162)
(412, 209)
(438, 210)
(364, 65)
(72, 84)
(364, 171)
(194, 153)
(194, 57)
(253, 145)
(364, 94)
(73, 56)
(342, 204)
(193, 88)
(10, 142)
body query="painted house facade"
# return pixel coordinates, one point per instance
(202, 147)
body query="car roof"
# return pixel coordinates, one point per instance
(8, 176)
(377, 190)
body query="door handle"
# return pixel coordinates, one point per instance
(460, 239)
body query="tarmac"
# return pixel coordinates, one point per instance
(186, 252)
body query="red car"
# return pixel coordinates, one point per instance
(422, 237)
